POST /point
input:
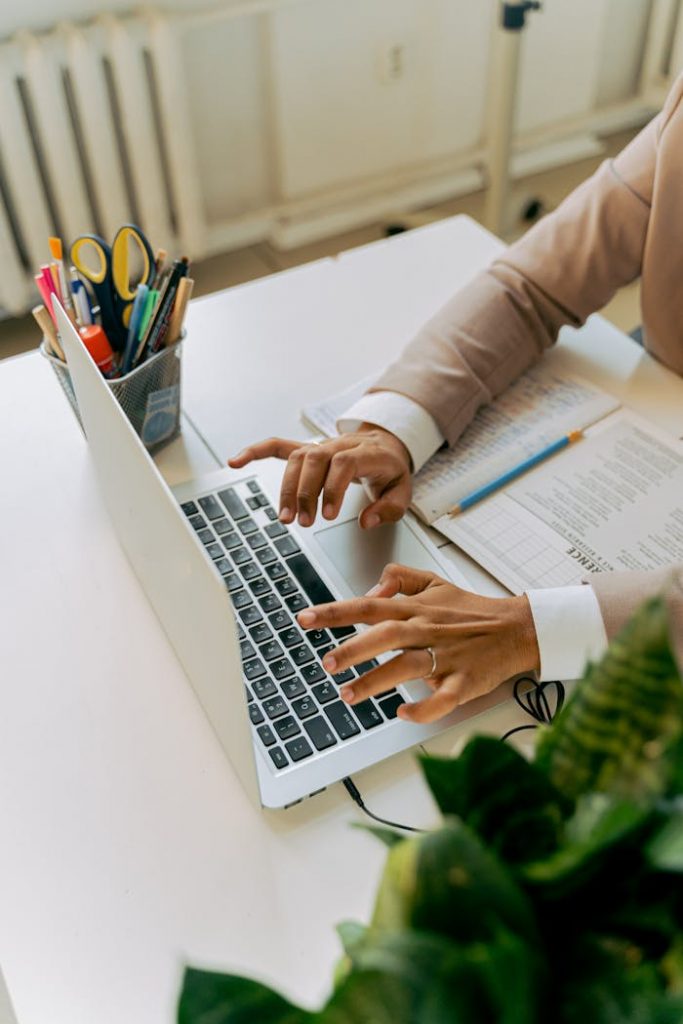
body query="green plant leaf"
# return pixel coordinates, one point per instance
(620, 731)
(351, 933)
(508, 802)
(599, 823)
(665, 849)
(420, 978)
(448, 882)
(208, 997)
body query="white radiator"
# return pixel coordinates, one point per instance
(94, 132)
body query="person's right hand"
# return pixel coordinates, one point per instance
(371, 454)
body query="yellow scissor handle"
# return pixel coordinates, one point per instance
(120, 262)
(84, 247)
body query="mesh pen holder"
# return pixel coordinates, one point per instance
(149, 395)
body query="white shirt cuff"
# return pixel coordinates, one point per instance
(569, 629)
(401, 416)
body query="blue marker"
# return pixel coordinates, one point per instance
(133, 326)
(512, 474)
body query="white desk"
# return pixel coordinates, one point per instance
(128, 846)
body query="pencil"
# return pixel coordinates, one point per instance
(516, 471)
(182, 298)
(44, 321)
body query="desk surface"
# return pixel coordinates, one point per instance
(128, 845)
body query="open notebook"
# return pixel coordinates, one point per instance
(540, 408)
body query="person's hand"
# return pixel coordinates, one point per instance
(371, 454)
(478, 642)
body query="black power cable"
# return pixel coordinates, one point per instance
(534, 701)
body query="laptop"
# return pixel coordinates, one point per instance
(226, 580)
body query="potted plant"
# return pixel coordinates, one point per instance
(552, 892)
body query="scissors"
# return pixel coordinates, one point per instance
(107, 269)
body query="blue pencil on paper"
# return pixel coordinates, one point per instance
(516, 471)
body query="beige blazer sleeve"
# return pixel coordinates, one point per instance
(565, 268)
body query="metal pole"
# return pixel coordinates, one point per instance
(501, 113)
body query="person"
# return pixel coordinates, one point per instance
(624, 222)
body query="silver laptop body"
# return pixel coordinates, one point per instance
(225, 580)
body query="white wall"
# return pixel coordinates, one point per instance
(291, 104)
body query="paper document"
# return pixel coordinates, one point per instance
(613, 501)
(540, 408)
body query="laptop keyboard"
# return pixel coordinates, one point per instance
(294, 704)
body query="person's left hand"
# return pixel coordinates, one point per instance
(478, 642)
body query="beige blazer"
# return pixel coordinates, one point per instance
(625, 222)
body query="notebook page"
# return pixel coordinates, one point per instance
(614, 501)
(540, 408)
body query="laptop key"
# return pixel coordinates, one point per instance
(301, 655)
(223, 527)
(240, 599)
(214, 551)
(290, 637)
(247, 650)
(264, 688)
(276, 570)
(305, 707)
(262, 500)
(298, 749)
(254, 669)
(339, 632)
(260, 586)
(313, 673)
(280, 619)
(318, 592)
(281, 669)
(252, 503)
(270, 603)
(322, 651)
(197, 522)
(256, 714)
(250, 570)
(231, 540)
(223, 566)
(260, 633)
(233, 503)
(286, 586)
(266, 556)
(247, 526)
(241, 635)
(343, 721)
(206, 537)
(293, 688)
(189, 508)
(317, 637)
(233, 583)
(240, 555)
(287, 546)
(325, 692)
(271, 650)
(254, 486)
(250, 695)
(391, 705)
(270, 512)
(320, 733)
(344, 677)
(296, 603)
(366, 666)
(277, 756)
(275, 530)
(266, 735)
(287, 727)
(274, 707)
(210, 507)
(256, 541)
(367, 714)
(251, 615)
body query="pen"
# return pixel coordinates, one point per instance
(516, 471)
(62, 286)
(134, 326)
(157, 332)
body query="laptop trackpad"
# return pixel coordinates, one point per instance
(360, 555)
